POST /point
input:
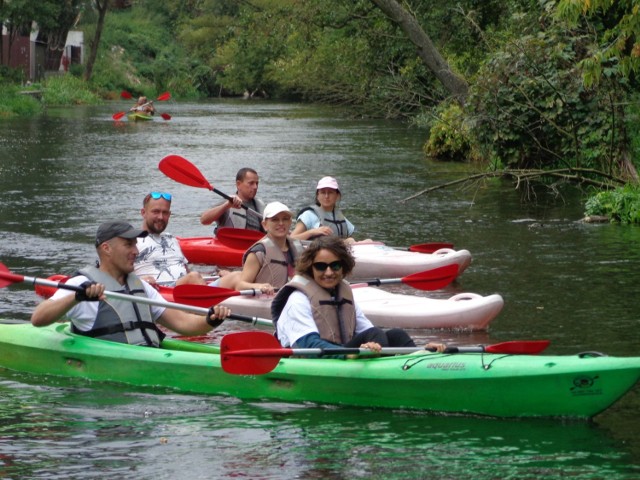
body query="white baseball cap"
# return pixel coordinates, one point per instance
(274, 208)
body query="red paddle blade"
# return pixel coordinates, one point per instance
(183, 171)
(518, 347)
(126, 95)
(7, 278)
(47, 292)
(164, 96)
(429, 247)
(166, 116)
(249, 365)
(202, 295)
(433, 279)
(240, 238)
(118, 116)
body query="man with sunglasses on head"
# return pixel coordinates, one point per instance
(94, 314)
(230, 213)
(160, 258)
(316, 308)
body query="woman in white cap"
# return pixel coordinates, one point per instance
(270, 262)
(325, 217)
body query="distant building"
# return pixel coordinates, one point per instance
(32, 55)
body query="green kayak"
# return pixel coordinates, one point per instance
(139, 117)
(471, 383)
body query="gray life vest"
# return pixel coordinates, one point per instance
(334, 219)
(273, 261)
(119, 320)
(241, 218)
(335, 316)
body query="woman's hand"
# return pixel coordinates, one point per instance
(436, 347)
(373, 346)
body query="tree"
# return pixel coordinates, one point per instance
(101, 6)
(429, 54)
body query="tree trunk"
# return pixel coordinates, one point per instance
(455, 84)
(102, 7)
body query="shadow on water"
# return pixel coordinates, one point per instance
(59, 428)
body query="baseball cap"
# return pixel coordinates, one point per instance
(274, 208)
(112, 229)
(328, 182)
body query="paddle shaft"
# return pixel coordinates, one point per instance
(287, 352)
(133, 298)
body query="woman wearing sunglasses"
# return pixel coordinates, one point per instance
(316, 308)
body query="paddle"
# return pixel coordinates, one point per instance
(8, 278)
(183, 171)
(205, 296)
(257, 353)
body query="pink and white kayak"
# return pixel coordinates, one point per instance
(373, 259)
(467, 311)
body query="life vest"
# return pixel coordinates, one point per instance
(273, 264)
(335, 316)
(334, 219)
(238, 217)
(119, 320)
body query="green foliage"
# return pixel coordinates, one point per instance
(12, 103)
(621, 205)
(617, 23)
(138, 53)
(68, 90)
(531, 109)
(449, 137)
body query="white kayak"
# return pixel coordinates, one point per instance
(374, 259)
(467, 311)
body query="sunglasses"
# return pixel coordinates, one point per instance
(322, 266)
(157, 195)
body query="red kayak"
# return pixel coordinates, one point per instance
(373, 259)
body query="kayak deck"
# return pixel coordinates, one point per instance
(393, 310)
(479, 384)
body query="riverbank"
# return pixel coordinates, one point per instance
(59, 90)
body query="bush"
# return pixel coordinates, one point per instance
(68, 90)
(620, 205)
(531, 109)
(449, 138)
(13, 103)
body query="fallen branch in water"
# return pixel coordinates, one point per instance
(573, 175)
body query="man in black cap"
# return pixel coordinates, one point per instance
(92, 314)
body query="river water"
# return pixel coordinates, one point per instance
(563, 280)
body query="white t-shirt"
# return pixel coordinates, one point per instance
(296, 320)
(161, 257)
(84, 314)
(311, 220)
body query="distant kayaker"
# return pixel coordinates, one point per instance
(229, 213)
(270, 263)
(324, 217)
(144, 106)
(316, 308)
(90, 312)
(160, 258)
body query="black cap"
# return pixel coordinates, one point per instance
(109, 230)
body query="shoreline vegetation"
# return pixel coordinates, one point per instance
(520, 89)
